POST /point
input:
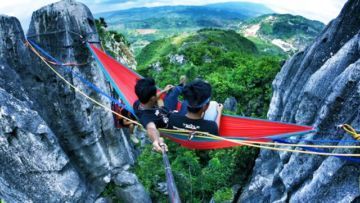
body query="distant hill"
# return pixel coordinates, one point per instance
(197, 48)
(289, 32)
(165, 17)
(144, 25)
(247, 8)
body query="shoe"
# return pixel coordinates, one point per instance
(134, 139)
(182, 80)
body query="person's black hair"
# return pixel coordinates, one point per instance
(197, 94)
(145, 89)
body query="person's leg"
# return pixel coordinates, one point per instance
(183, 109)
(131, 128)
(211, 113)
(171, 98)
(132, 136)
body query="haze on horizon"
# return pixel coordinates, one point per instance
(322, 10)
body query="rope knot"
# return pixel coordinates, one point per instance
(191, 135)
(349, 129)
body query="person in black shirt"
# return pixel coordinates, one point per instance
(151, 113)
(198, 95)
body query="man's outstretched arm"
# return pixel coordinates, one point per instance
(154, 135)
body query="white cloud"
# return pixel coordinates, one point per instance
(323, 10)
(22, 9)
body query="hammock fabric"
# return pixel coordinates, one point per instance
(124, 79)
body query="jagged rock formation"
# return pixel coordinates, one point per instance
(54, 144)
(116, 45)
(321, 87)
(26, 174)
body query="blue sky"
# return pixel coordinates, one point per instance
(322, 10)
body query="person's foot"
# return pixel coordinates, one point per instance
(183, 80)
(134, 139)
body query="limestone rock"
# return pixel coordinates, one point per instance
(26, 174)
(320, 87)
(63, 148)
(129, 189)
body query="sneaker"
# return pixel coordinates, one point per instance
(134, 139)
(182, 80)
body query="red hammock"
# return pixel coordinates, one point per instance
(124, 79)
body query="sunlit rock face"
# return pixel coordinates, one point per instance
(33, 165)
(320, 87)
(55, 145)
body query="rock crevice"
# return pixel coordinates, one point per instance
(319, 87)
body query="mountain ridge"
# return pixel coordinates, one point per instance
(183, 16)
(236, 7)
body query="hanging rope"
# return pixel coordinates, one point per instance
(78, 90)
(60, 31)
(253, 141)
(54, 61)
(258, 145)
(320, 141)
(81, 78)
(356, 160)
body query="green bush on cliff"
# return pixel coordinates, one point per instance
(198, 174)
(110, 37)
(223, 195)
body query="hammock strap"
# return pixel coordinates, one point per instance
(192, 134)
(81, 92)
(78, 75)
(259, 145)
(53, 60)
(356, 160)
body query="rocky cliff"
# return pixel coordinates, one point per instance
(321, 87)
(115, 44)
(55, 145)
